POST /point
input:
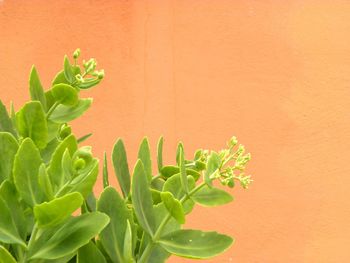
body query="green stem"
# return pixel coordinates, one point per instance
(31, 241)
(147, 252)
(53, 107)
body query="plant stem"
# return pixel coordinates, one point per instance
(53, 107)
(147, 252)
(31, 241)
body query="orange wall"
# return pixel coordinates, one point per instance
(274, 73)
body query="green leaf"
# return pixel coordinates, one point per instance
(9, 194)
(52, 213)
(90, 253)
(105, 171)
(36, 89)
(65, 239)
(213, 164)
(83, 182)
(144, 155)
(45, 183)
(170, 170)
(8, 149)
(63, 114)
(61, 78)
(68, 70)
(173, 185)
(183, 174)
(195, 243)
(8, 231)
(128, 248)
(65, 94)
(173, 206)
(113, 236)
(5, 121)
(55, 169)
(31, 122)
(160, 153)
(211, 196)
(142, 199)
(120, 164)
(5, 256)
(26, 173)
(84, 138)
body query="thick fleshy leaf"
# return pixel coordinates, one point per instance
(8, 149)
(173, 206)
(35, 88)
(5, 256)
(183, 174)
(26, 173)
(52, 213)
(83, 182)
(61, 78)
(113, 236)
(6, 124)
(55, 169)
(63, 113)
(160, 153)
(68, 70)
(195, 243)
(10, 196)
(45, 182)
(65, 94)
(66, 238)
(173, 185)
(128, 244)
(8, 231)
(31, 122)
(121, 169)
(105, 171)
(208, 196)
(213, 165)
(142, 199)
(90, 253)
(144, 155)
(170, 170)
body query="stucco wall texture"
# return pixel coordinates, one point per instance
(274, 73)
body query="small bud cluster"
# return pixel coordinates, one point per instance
(233, 163)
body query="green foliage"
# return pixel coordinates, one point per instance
(49, 213)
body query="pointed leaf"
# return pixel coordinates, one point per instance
(105, 171)
(35, 88)
(55, 169)
(84, 138)
(63, 114)
(142, 199)
(112, 237)
(65, 239)
(8, 149)
(128, 249)
(183, 174)
(160, 154)
(144, 155)
(10, 196)
(211, 196)
(213, 165)
(52, 213)
(8, 231)
(195, 243)
(173, 206)
(5, 121)
(120, 164)
(26, 173)
(90, 253)
(68, 70)
(45, 183)
(5, 256)
(31, 122)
